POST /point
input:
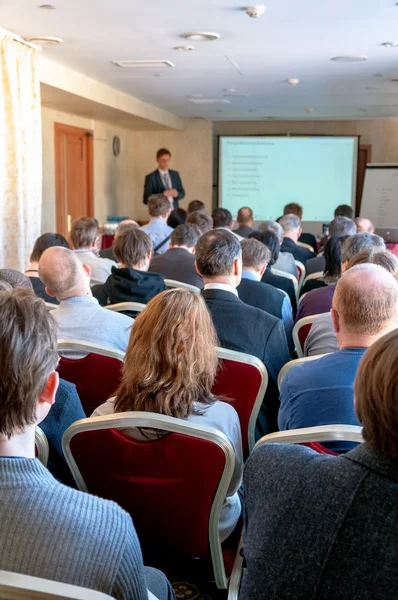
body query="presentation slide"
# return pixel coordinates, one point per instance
(266, 173)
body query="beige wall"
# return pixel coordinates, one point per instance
(381, 134)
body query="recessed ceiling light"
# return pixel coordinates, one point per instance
(349, 58)
(293, 81)
(209, 101)
(230, 90)
(47, 6)
(142, 64)
(390, 44)
(184, 48)
(44, 40)
(201, 36)
(195, 96)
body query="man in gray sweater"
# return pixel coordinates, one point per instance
(47, 529)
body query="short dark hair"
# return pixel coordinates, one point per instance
(342, 226)
(245, 215)
(254, 253)
(47, 240)
(201, 219)
(360, 241)
(158, 205)
(84, 232)
(28, 355)
(185, 235)
(15, 279)
(293, 208)
(343, 210)
(269, 239)
(221, 217)
(132, 247)
(162, 152)
(216, 252)
(178, 216)
(195, 205)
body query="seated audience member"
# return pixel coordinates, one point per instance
(164, 372)
(222, 219)
(332, 270)
(177, 217)
(157, 228)
(47, 529)
(305, 238)
(324, 526)
(321, 338)
(47, 240)
(195, 205)
(343, 210)
(320, 300)
(178, 262)
(320, 392)
(79, 316)
(201, 219)
(285, 261)
(130, 280)
(291, 226)
(239, 326)
(123, 226)
(15, 279)
(253, 291)
(365, 225)
(339, 226)
(85, 236)
(270, 240)
(245, 222)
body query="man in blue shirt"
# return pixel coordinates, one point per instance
(157, 228)
(365, 307)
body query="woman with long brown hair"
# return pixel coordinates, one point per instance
(170, 367)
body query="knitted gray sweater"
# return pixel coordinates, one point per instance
(52, 531)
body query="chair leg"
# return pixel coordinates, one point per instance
(236, 575)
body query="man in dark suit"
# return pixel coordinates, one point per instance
(241, 327)
(178, 262)
(164, 181)
(291, 225)
(245, 222)
(253, 291)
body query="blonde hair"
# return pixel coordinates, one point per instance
(171, 360)
(376, 386)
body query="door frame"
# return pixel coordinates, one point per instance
(59, 155)
(358, 197)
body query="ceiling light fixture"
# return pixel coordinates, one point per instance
(255, 12)
(184, 48)
(201, 36)
(44, 40)
(349, 58)
(293, 81)
(143, 64)
(390, 44)
(47, 6)
(209, 101)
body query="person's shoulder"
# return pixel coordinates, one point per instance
(65, 388)
(151, 174)
(107, 262)
(115, 317)
(284, 461)
(226, 409)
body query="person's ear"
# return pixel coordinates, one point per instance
(300, 231)
(50, 391)
(192, 250)
(87, 270)
(49, 292)
(344, 266)
(238, 267)
(149, 255)
(335, 320)
(262, 270)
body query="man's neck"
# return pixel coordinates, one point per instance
(138, 267)
(75, 294)
(182, 248)
(291, 236)
(357, 341)
(34, 267)
(159, 217)
(223, 280)
(254, 271)
(22, 444)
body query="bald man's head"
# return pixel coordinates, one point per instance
(125, 225)
(364, 225)
(62, 273)
(366, 301)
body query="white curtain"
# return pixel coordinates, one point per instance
(20, 152)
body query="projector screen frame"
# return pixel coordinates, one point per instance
(311, 224)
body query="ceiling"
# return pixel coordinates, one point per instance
(254, 56)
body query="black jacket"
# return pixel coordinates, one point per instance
(299, 253)
(108, 253)
(128, 285)
(154, 185)
(177, 264)
(261, 295)
(247, 329)
(244, 231)
(282, 283)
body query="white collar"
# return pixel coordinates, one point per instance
(222, 286)
(163, 172)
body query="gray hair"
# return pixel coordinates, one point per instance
(290, 223)
(342, 226)
(274, 227)
(15, 279)
(360, 241)
(216, 252)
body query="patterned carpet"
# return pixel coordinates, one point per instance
(188, 591)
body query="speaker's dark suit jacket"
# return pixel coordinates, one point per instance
(282, 283)
(247, 329)
(178, 264)
(154, 185)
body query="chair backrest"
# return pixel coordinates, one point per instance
(323, 433)
(301, 272)
(292, 363)
(301, 331)
(15, 586)
(172, 283)
(288, 276)
(244, 379)
(96, 376)
(42, 447)
(317, 275)
(135, 307)
(50, 306)
(304, 245)
(172, 486)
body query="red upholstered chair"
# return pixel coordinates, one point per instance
(244, 379)
(96, 376)
(173, 486)
(300, 332)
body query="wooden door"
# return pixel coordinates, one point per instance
(365, 156)
(73, 175)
